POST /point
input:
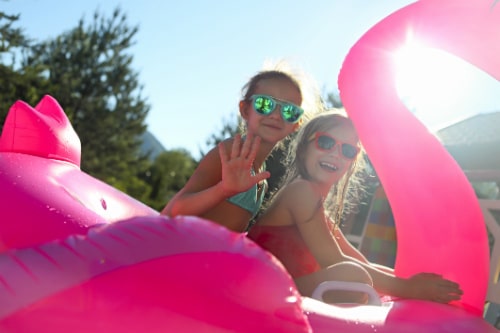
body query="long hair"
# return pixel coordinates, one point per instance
(342, 195)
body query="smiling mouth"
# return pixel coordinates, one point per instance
(273, 125)
(328, 166)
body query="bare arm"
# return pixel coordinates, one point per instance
(202, 192)
(349, 250)
(328, 251)
(426, 286)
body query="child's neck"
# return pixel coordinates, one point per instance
(321, 188)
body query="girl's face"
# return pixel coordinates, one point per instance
(271, 128)
(330, 154)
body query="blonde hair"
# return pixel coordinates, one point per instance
(341, 197)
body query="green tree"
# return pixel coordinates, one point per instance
(16, 82)
(11, 37)
(90, 74)
(230, 127)
(166, 175)
(332, 100)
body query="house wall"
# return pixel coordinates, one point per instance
(377, 240)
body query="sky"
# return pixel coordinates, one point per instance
(194, 56)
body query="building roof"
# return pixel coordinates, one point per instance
(481, 128)
(474, 142)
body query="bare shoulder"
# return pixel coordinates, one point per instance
(211, 161)
(300, 188)
(228, 143)
(301, 196)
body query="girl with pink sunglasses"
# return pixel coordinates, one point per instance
(300, 225)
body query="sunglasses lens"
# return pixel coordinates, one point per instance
(325, 142)
(349, 151)
(291, 113)
(263, 105)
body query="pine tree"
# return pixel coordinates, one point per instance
(16, 82)
(90, 73)
(167, 175)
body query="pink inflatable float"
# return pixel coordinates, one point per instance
(148, 274)
(43, 189)
(101, 261)
(151, 273)
(434, 206)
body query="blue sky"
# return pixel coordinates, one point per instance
(193, 57)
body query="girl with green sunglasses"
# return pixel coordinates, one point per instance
(229, 183)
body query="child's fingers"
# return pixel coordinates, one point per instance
(430, 275)
(261, 176)
(448, 297)
(254, 148)
(247, 144)
(235, 151)
(449, 284)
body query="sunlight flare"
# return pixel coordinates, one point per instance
(431, 82)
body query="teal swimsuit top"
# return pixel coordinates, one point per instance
(249, 200)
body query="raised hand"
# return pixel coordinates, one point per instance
(237, 167)
(434, 287)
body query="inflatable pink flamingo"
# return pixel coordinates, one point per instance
(440, 226)
(80, 256)
(45, 195)
(152, 273)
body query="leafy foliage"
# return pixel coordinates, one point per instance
(88, 69)
(333, 101)
(15, 83)
(11, 37)
(167, 175)
(230, 127)
(90, 74)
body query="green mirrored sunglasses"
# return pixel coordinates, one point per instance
(265, 105)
